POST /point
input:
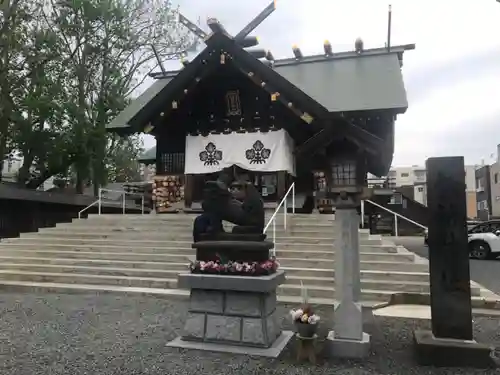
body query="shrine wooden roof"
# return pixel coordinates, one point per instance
(346, 81)
(342, 82)
(313, 87)
(358, 82)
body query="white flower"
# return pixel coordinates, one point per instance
(313, 319)
(203, 265)
(296, 314)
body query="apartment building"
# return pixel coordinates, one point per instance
(494, 197)
(416, 177)
(488, 189)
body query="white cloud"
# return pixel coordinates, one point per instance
(452, 78)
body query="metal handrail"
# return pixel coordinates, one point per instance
(86, 208)
(99, 201)
(272, 220)
(396, 215)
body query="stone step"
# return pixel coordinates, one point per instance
(174, 255)
(180, 216)
(146, 269)
(183, 231)
(115, 255)
(178, 258)
(365, 274)
(328, 262)
(312, 251)
(291, 223)
(294, 219)
(91, 279)
(407, 286)
(326, 290)
(18, 261)
(141, 277)
(123, 239)
(155, 219)
(139, 244)
(22, 286)
(178, 266)
(188, 227)
(313, 291)
(288, 250)
(173, 269)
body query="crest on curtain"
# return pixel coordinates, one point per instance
(211, 156)
(258, 154)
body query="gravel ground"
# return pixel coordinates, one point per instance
(107, 334)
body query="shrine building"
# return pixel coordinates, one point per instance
(233, 108)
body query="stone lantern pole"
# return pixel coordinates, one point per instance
(347, 180)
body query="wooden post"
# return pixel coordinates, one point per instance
(281, 186)
(188, 190)
(451, 342)
(448, 249)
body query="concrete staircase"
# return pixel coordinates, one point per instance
(148, 251)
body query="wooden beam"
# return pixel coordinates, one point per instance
(194, 28)
(253, 24)
(318, 141)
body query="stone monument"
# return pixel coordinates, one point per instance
(232, 285)
(451, 341)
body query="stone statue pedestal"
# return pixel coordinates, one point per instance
(229, 313)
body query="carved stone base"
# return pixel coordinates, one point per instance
(243, 313)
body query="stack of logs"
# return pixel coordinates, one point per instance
(167, 191)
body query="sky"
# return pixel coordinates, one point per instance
(452, 78)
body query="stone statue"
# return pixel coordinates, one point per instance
(241, 205)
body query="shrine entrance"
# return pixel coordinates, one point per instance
(270, 185)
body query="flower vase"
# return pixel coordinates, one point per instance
(306, 329)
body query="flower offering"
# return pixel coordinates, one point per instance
(235, 268)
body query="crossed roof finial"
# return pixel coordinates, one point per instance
(216, 26)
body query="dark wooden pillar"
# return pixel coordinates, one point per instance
(281, 185)
(451, 341)
(448, 250)
(188, 190)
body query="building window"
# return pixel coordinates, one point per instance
(396, 199)
(405, 175)
(171, 163)
(420, 189)
(496, 178)
(482, 205)
(420, 175)
(479, 185)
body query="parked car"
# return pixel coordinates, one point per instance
(483, 239)
(484, 245)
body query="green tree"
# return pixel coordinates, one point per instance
(121, 159)
(15, 17)
(66, 69)
(109, 47)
